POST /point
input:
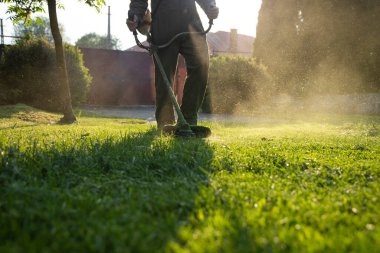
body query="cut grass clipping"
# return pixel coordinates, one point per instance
(106, 186)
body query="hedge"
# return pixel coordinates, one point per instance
(29, 75)
(236, 83)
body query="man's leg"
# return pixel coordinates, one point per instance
(195, 51)
(164, 106)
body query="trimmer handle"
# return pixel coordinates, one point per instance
(139, 44)
(210, 24)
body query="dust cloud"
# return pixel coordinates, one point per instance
(322, 55)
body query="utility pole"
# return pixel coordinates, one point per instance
(1, 31)
(109, 46)
(2, 38)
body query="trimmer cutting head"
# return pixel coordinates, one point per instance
(193, 132)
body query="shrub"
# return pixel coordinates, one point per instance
(29, 73)
(236, 82)
(79, 77)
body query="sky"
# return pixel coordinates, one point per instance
(79, 19)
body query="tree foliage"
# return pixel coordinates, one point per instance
(38, 27)
(23, 9)
(324, 46)
(93, 40)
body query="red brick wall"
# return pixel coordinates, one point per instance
(125, 77)
(119, 77)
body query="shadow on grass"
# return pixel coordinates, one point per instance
(119, 194)
(7, 111)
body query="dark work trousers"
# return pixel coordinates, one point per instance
(194, 49)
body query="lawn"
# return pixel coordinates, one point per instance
(113, 185)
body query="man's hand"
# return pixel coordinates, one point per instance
(133, 24)
(212, 12)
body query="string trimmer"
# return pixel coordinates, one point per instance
(182, 128)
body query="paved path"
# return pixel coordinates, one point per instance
(147, 113)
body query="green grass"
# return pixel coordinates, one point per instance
(114, 185)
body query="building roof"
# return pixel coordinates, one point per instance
(138, 49)
(219, 43)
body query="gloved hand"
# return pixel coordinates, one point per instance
(212, 12)
(133, 23)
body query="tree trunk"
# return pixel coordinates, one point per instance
(63, 81)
